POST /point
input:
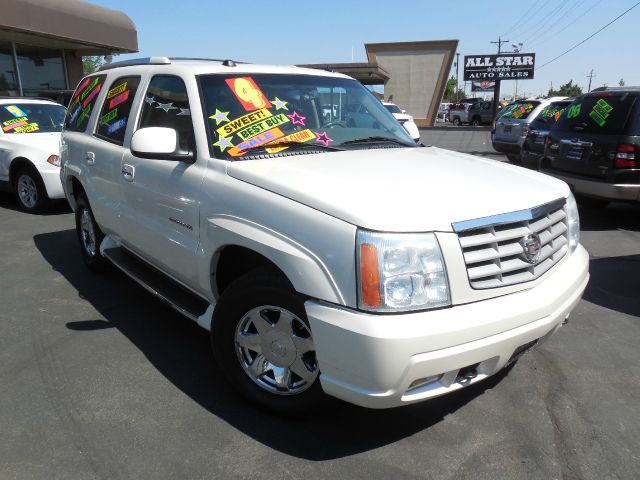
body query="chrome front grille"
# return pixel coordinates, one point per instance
(493, 246)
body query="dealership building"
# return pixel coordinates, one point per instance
(42, 43)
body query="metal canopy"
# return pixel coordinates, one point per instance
(365, 73)
(72, 24)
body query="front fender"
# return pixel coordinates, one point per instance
(303, 268)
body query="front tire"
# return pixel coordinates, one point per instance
(30, 191)
(263, 344)
(89, 236)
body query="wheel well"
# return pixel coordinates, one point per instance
(234, 261)
(476, 117)
(16, 165)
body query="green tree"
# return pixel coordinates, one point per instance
(569, 89)
(91, 64)
(450, 91)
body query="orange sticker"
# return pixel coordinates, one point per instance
(301, 136)
(248, 93)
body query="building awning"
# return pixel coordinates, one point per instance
(365, 73)
(71, 24)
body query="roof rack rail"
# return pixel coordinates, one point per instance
(615, 89)
(136, 61)
(228, 60)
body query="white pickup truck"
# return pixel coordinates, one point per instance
(324, 258)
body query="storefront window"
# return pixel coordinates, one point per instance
(40, 68)
(8, 77)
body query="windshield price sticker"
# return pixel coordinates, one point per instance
(15, 111)
(123, 97)
(600, 112)
(242, 122)
(31, 127)
(248, 93)
(301, 137)
(256, 141)
(108, 117)
(262, 126)
(117, 90)
(574, 111)
(91, 96)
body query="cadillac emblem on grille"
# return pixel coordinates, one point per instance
(532, 247)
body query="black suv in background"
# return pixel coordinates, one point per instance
(533, 147)
(595, 144)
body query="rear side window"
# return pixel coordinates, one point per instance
(166, 104)
(519, 110)
(114, 115)
(83, 103)
(549, 115)
(606, 113)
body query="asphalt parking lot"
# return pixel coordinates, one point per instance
(101, 381)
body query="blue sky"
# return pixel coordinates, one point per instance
(290, 32)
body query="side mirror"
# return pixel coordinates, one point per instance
(404, 111)
(158, 143)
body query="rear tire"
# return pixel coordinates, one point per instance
(475, 122)
(456, 121)
(262, 342)
(30, 191)
(89, 236)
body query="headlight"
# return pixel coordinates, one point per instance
(573, 222)
(400, 272)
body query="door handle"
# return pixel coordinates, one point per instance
(90, 158)
(128, 172)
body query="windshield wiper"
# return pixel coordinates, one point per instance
(294, 145)
(376, 139)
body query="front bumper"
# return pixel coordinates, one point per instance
(373, 360)
(51, 179)
(598, 189)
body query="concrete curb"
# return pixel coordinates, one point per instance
(463, 128)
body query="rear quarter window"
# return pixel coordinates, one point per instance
(519, 110)
(598, 114)
(549, 115)
(112, 122)
(83, 103)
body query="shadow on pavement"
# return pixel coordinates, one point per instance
(8, 201)
(614, 217)
(614, 283)
(180, 350)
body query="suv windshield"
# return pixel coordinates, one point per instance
(393, 108)
(519, 110)
(268, 113)
(31, 118)
(549, 115)
(600, 113)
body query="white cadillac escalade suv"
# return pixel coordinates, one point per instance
(324, 258)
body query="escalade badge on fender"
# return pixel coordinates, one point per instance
(532, 247)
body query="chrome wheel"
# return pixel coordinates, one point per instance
(27, 191)
(276, 351)
(87, 233)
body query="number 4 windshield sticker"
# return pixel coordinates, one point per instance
(248, 93)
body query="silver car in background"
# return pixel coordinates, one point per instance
(513, 123)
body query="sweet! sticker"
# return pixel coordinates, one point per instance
(244, 121)
(248, 93)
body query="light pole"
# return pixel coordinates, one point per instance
(517, 48)
(457, 63)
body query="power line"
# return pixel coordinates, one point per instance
(590, 36)
(533, 5)
(547, 28)
(564, 27)
(530, 18)
(533, 29)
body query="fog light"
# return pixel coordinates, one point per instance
(421, 382)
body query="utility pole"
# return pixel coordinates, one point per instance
(496, 88)
(590, 76)
(457, 65)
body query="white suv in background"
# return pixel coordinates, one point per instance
(324, 257)
(29, 148)
(404, 119)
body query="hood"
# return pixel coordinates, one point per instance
(403, 116)
(403, 189)
(48, 143)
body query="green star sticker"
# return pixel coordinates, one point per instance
(220, 117)
(280, 104)
(223, 143)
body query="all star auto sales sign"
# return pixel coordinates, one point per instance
(504, 66)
